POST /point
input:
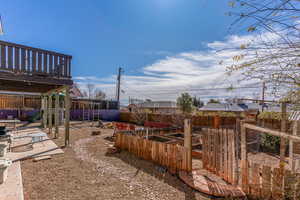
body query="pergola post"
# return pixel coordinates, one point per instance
(56, 115)
(188, 142)
(45, 112)
(67, 116)
(50, 111)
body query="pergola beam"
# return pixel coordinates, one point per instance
(293, 138)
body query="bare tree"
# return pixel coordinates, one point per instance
(273, 53)
(100, 94)
(91, 88)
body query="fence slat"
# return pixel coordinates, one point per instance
(266, 182)
(277, 181)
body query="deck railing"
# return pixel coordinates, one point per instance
(20, 59)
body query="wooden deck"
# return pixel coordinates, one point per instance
(29, 69)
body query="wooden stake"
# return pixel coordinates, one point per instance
(67, 117)
(188, 141)
(56, 120)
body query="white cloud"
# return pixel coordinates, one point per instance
(166, 78)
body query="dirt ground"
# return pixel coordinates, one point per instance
(86, 171)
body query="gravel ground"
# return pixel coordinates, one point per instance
(86, 171)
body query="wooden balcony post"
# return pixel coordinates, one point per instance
(67, 117)
(56, 120)
(188, 142)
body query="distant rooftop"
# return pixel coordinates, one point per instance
(231, 107)
(158, 104)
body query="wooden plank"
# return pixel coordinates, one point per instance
(23, 60)
(221, 153)
(10, 58)
(226, 170)
(255, 180)
(266, 182)
(289, 185)
(272, 132)
(277, 180)
(230, 158)
(283, 141)
(188, 142)
(244, 160)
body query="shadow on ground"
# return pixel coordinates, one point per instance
(160, 173)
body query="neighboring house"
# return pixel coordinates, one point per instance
(222, 107)
(165, 107)
(75, 92)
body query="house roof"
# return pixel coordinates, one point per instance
(158, 104)
(75, 92)
(232, 107)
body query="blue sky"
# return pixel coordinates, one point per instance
(161, 44)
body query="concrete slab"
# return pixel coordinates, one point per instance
(44, 148)
(12, 188)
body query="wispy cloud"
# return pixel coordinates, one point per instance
(192, 72)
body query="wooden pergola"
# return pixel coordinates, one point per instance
(28, 69)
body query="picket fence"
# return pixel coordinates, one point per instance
(174, 157)
(219, 153)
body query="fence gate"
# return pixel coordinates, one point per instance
(220, 153)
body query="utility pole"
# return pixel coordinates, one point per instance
(263, 95)
(120, 70)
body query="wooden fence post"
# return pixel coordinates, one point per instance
(283, 129)
(244, 160)
(292, 161)
(67, 117)
(217, 121)
(188, 141)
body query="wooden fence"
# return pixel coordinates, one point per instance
(264, 182)
(174, 157)
(150, 131)
(203, 121)
(219, 153)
